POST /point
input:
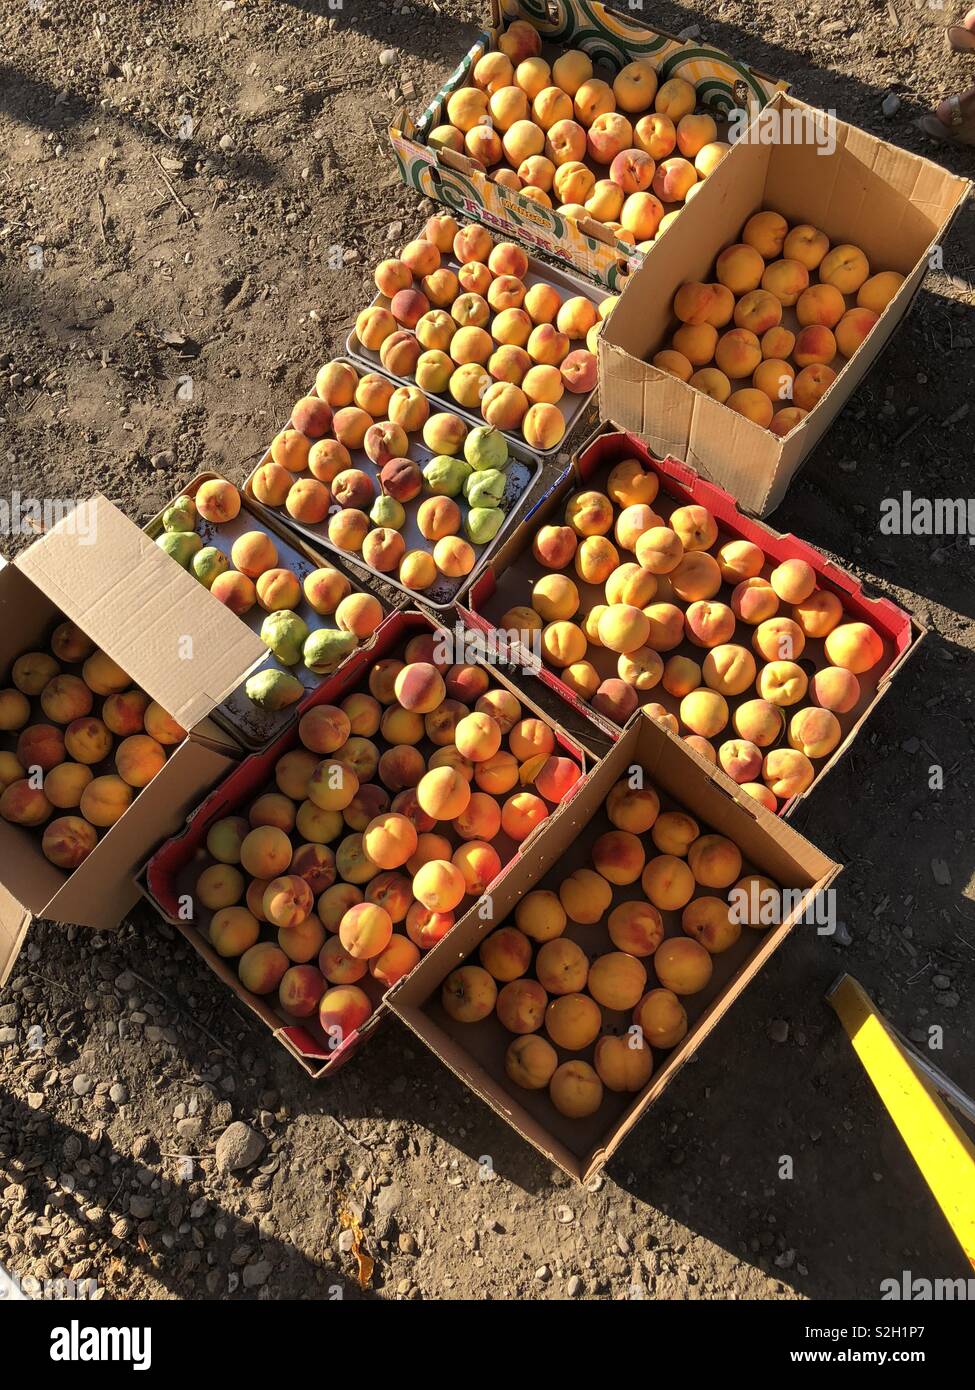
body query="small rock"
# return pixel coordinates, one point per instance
(564, 1215)
(842, 935)
(345, 1241)
(226, 143)
(778, 1030)
(82, 1084)
(941, 873)
(118, 1094)
(238, 1147)
(140, 1207)
(407, 1245)
(162, 460)
(7, 1036)
(543, 1274)
(257, 1274)
(692, 31)
(890, 105)
(388, 57)
(574, 1287)
(940, 982)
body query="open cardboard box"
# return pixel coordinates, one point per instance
(508, 581)
(179, 645)
(169, 878)
(896, 206)
(724, 85)
(475, 1052)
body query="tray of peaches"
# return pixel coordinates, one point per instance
(486, 329)
(376, 473)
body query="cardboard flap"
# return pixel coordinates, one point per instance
(14, 921)
(181, 645)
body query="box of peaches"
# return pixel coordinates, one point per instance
(652, 897)
(636, 583)
(111, 662)
(322, 869)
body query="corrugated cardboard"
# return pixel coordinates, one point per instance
(896, 206)
(175, 641)
(475, 1053)
(171, 873)
(608, 36)
(508, 582)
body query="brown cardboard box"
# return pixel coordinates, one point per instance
(896, 206)
(180, 645)
(475, 1052)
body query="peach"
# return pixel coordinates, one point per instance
(759, 311)
(845, 267)
(740, 268)
(506, 106)
(477, 737)
(497, 775)
(633, 584)
(656, 135)
(787, 772)
(265, 852)
(483, 144)
(697, 577)
(633, 169)
(521, 1008)
(576, 1090)
(740, 759)
(540, 916)
(738, 352)
(761, 793)
(520, 141)
(441, 230)
(315, 863)
(571, 69)
(674, 831)
(217, 501)
(807, 245)
(521, 814)
(595, 559)
(342, 1011)
(782, 683)
(815, 732)
(221, 885)
(696, 342)
(609, 135)
(63, 785)
(852, 328)
(104, 676)
(443, 793)
(277, 590)
(300, 990)
(31, 672)
(225, 840)
(138, 759)
(563, 643)
(14, 710)
(666, 626)
(585, 896)
(773, 377)
(766, 232)
(506, 954)
(505, 406)
(820, 304)
(738, 560)
(785, 421)
(287, 901)
(390, 840)
(636, 928)
(811, 385)
(617, 980)
(561, 966)
(43, 746)
(573, 1020)
(468, 994)
(876, 292)
(704, 712)
(680, 676)
(693, 134)
(673, 180)
(236, 591)
(324, 729)
(855, 647)
(454, 557)
(105, 800)
(24, 804)
(659, 550)
(834, 688)
(753, 404)
(336, 383)
(709, 156)
(480, 820)
(365, 930)
(530, 1061)
(708, 921)
(606, 201)
(642, 214)
(233, 931)
(785, 281)
(754, 600)
(661, 1017)
(557, 778)
(419, 687)
(693, 302)
(729, 669)
(554, 546)
(618, 856)
(623, 628)
(335, 902)
(68, 643)
(400, 726)
(397, 960)
(707, 624)
(668, 360)
(592, 99)
(682, 965)
(667, 882)
(814, 345)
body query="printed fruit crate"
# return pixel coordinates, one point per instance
(417, 844)
(257, 568)
(419, 516)
(722, 84)
(488, 330)
(713, 663)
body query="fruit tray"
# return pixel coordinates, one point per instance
(510, 580)
(249, 723)
(521, 474)
(572, 405)
(171, 876)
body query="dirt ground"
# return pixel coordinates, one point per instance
(122, 1060)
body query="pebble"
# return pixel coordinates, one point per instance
(543, 1274)
(257, 1274)
(842, 935)
(140, 1207)
(778, 1030)
(345, 1241)
(118, 1094)
(890, 105)
(564, 1215)
(407, 1245)
(82, 1084)
(226, 143)
(940, 982)
(574, 1287)
(238, 1147)
(7, 1036)
(388, 57)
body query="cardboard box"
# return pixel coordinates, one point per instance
(237, 721)
(508, 582)
(179, 645)
(724, 85)
(475, 1052)
(171, 874)
(896, 206)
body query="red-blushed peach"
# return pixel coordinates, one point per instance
(335, 903)
(422, 256)
(661, 1017)
(693, 302)
(666, 626)
(835, 689)
(636, 928)
(572, 1020)
(342, 1011)
(774, 378)
(262, 966)
(522, 813)
(530, 1061)
(521, 1007)
(479, 864)
(506, 954)
(729, 669)
(217, 501)
(754, 600)
(481, 820)
(806, 244)
(656, 134)
(779, 639)
(396, 960)
(235, 591)
(845, 267)
(315, 863)
(393, 892)
(761, 793)
(722, 305)
(814, 346)
(708, 624)
(105, 800)
(24, 804)
(233, 931)
(390, 840)
(782, 683)
(575, 1089)
(759, 311)
(365, 930)
(497, 775)
(814, 731)
(370, 800)
(787, 772)
(623, 1064)
(618, 855)
(740, 268)
(68, 841)
(451, 760)
(820, 304)
(854, 647)
(44, 746)
(69, 643)
(667, 882)
(785, 421)
(439, 885)
(300, 990)
(740, 759)
(138, 759)
(477, 737)
(737, 353)
(426, 928)
(468, 994)
(660, 550)
(324, 729)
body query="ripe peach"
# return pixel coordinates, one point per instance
(807, 245)
(443, 793)
(636, 928)
(315, 863)
(815, 732)
(642, 213)
(14, 710)
(506, 954)
(820, 304)
(497, 775)
(656, 135)
(834, 688)
(618, 856)
(754, 600)
(31, 672)
(342, 1012)
(617, 980)
(811, 385)
(390, 840)
(365, 930)
(278, 589)
(468, 994)
(854, 647)
(753, 404)
(773, 377)
(852, 328)
(673, 179)
(668, 883)
(845, 267)
(741, 760)
(265, 852)
(662, 1018)
(43, 746)
(680, 676)
(397, 960)
(63, 785)
(585, 896)
(68, 643)
(708, 920)
(818, 613)
(682, 966)
(572, 1021)
(218, 501)
(300, 990)
(419, 687)
(138, 759)
(740, 268)
(674, 831)
(666, 626)
(507, 106)
(729, 669)
(787, 772)
(696, 342)
(704, 712)
(668, 360)
(785, 421)
(521, 814)
(236, 591)
(554, 546)
(24, 804)
(738, 352)
(697, 577)
(782, 683)
(877, 292)
(707, 624)
(606, 201)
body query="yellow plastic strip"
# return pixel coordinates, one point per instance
(938, 1145)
